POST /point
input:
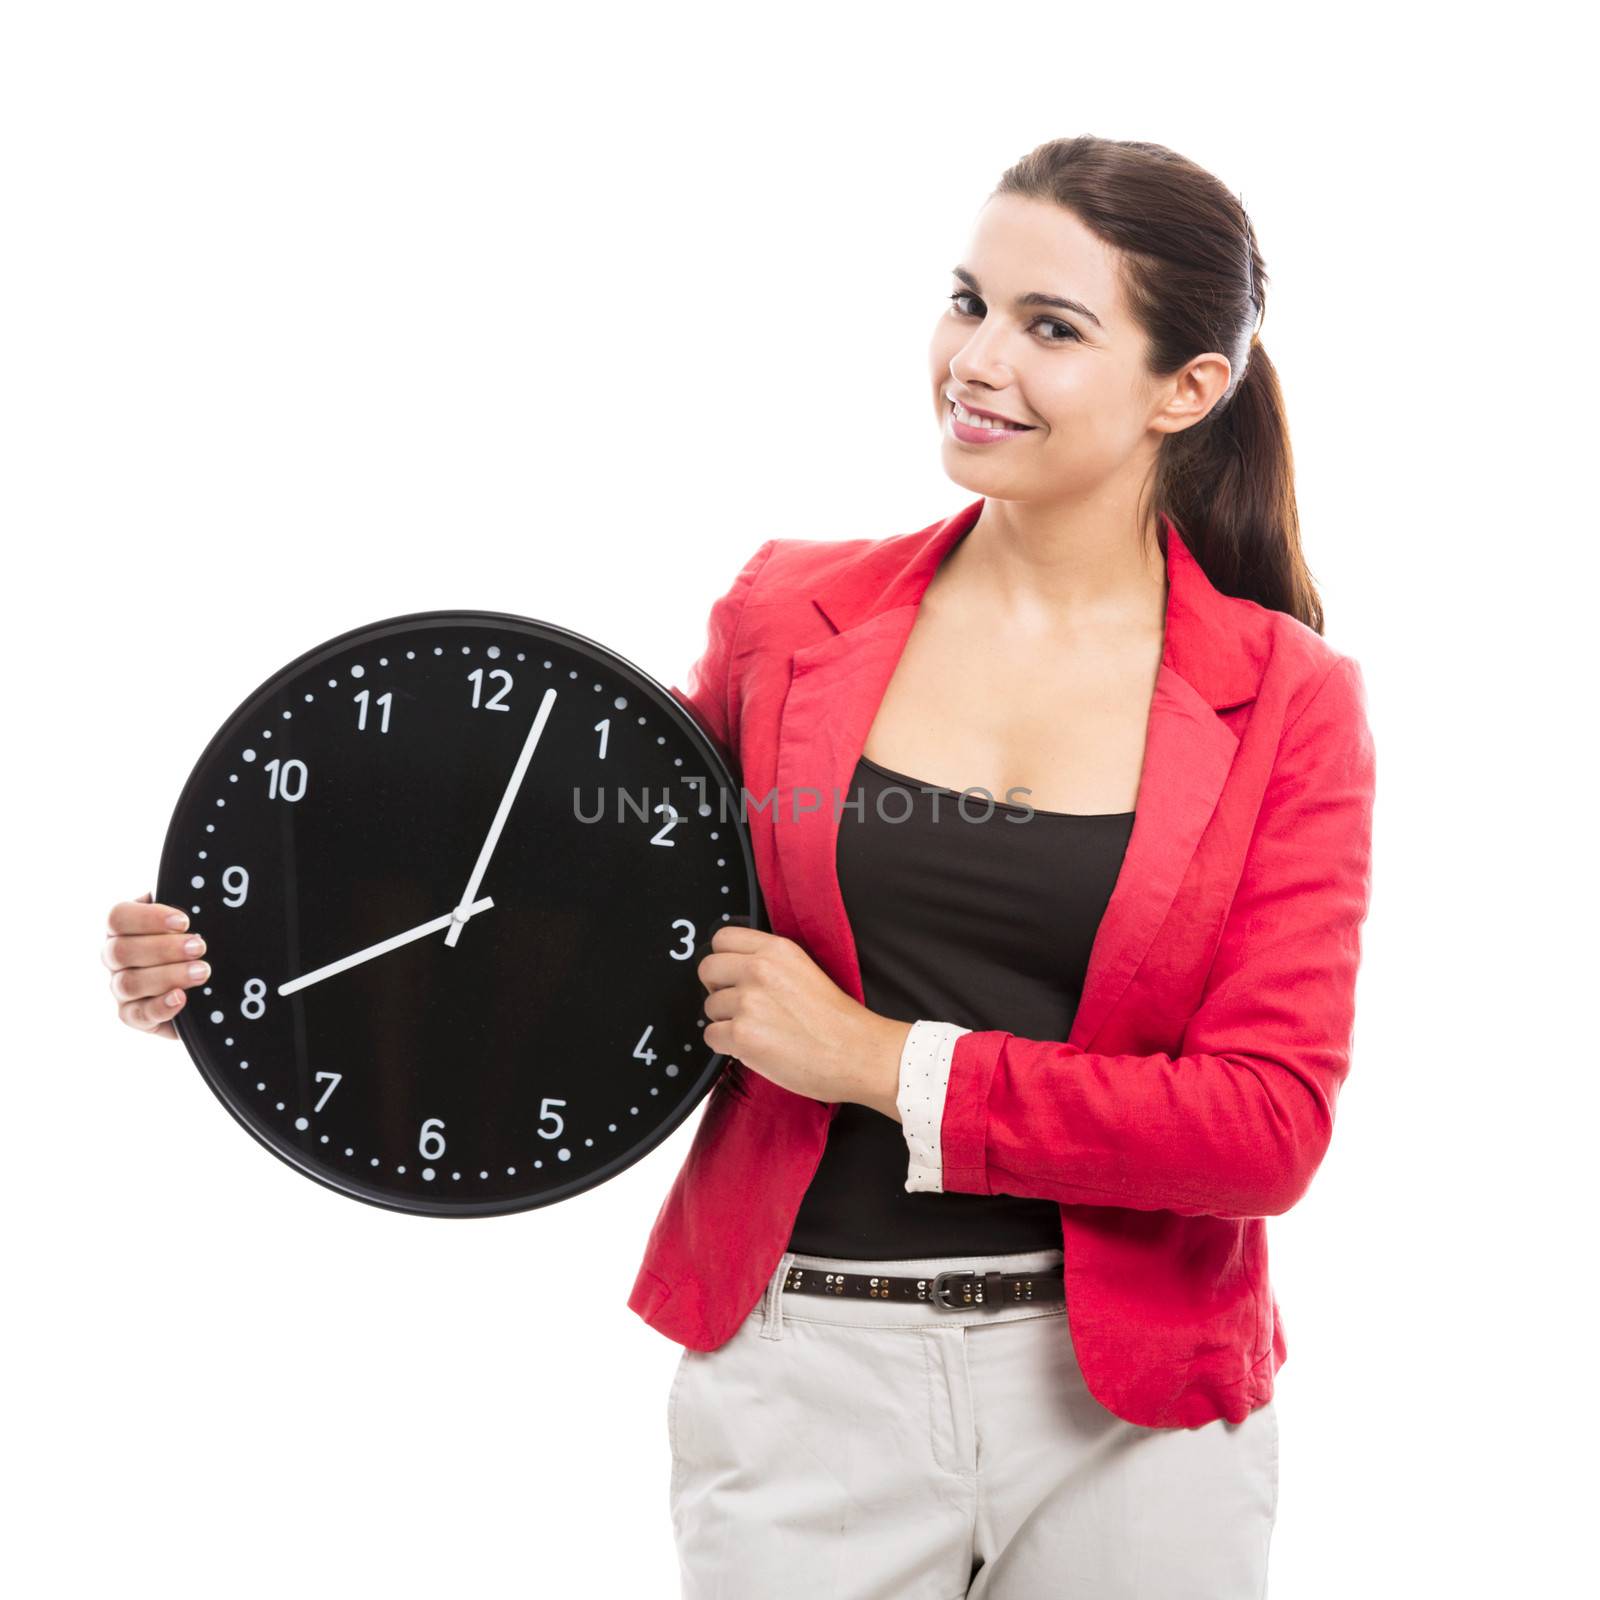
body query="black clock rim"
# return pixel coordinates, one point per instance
(354, 1188)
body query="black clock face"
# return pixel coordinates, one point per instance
(455, 872)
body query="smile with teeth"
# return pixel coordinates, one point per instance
(989, 424)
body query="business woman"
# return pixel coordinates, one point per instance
(1061, 808)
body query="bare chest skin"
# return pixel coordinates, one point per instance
(1063, 716)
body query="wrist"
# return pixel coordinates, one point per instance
(884, 1042)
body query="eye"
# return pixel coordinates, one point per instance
(1070, 334)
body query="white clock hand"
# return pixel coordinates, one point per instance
(449, 919)
(463, 911)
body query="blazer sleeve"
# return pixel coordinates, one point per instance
(1237, 1122)
(707, 691)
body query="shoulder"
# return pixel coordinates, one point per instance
(790, 567)
(1299, 669)
(1313, 706)
(783, 567)
(791, 580)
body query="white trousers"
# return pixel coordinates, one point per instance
(885, 1450)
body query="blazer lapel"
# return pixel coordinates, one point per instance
(1188, 750)
(837, 684)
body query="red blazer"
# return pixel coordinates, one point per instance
(1195, 1094)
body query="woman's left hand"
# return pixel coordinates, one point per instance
(779, 1013)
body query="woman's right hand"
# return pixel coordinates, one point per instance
(152, 955)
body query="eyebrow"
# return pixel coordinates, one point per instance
(1034, 299)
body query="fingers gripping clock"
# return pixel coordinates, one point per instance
(455, 871)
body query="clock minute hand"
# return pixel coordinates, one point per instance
(294, 985)
(463, 911)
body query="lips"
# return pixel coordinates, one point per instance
(991, 416)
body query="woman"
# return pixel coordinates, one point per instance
(1079, 1046)
(1067, 1049)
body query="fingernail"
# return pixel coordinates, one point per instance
(175, 997)
(194, 947)
(178, 920)
(198, 970)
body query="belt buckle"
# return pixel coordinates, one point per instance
(939, 1282)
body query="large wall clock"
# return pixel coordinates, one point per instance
(455, 872)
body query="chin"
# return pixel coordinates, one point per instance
(970, 475)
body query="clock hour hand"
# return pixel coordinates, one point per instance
(463, 911)
(449, 919)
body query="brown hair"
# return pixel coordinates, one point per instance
(1192, 275)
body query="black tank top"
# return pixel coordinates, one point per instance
(960, 914)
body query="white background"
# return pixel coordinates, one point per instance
(315, 314)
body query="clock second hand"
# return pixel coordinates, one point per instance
(294, 985)
(464, 910)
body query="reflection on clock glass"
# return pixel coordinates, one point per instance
(455, 874)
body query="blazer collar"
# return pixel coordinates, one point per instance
(1204, 644)
(1210, 662)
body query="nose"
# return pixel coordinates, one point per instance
(978, 364)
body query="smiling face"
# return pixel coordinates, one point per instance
(1037, 331)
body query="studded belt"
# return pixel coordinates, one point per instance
(954, 1291)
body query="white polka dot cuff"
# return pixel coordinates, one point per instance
(924, 1076)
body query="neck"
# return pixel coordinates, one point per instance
(1035, 568)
